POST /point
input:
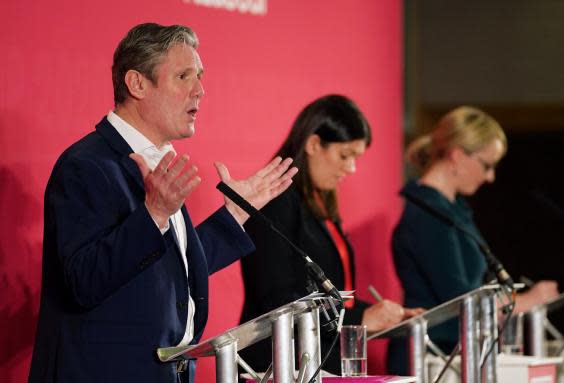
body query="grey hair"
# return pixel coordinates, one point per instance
(142, 50)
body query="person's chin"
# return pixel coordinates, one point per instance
(470, 191)
(330, 186)
(189, 131)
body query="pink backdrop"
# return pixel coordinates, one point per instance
(260, 71)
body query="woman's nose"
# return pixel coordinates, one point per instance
(490, 175)
(350, 166)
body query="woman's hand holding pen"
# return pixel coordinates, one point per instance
(386, 313)
(382, 315)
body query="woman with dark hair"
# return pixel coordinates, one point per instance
(434, 260)
(325, 141)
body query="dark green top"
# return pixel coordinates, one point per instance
(434, 260)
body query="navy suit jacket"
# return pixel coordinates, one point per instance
(114, 288)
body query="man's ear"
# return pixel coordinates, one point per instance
(313, 144)
(136, 84)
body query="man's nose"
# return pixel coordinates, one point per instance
(199, 89)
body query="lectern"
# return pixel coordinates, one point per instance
(478, 325)
(537, 323)
(279, 324)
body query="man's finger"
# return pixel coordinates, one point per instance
(285, 177)
(164, 163)
(290, 174)
(279, 189)
(268, 168)
(191, 185)
(278, 170)
(222, 171)
(174, 169)
(185, 177)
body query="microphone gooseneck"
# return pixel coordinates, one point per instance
(313, 269)
(494, 264)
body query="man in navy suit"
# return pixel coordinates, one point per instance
(124, 269)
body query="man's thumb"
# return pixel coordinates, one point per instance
(140, 161)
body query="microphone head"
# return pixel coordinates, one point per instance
(322, 281)
(497, 268)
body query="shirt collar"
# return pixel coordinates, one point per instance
(138, 142)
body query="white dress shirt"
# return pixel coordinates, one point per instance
(153, 155)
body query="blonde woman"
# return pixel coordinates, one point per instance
(436, 261)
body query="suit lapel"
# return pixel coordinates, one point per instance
(189, 232)
(177, 242)
(133, 170)
(173, 229)
(323, 227)
(117, 143)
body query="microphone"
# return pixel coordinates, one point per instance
(494, 265)
(313, 269)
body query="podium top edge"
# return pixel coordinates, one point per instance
(249, 332)
(439, 313)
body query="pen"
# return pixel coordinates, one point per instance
(374, 293)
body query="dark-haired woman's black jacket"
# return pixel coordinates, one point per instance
(275, 275)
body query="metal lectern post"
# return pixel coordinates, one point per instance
(417, 350)
(535, 333)
(308, 341)
(469, 341)
(282, 348)
(277, 324)
(488, 330)
(226, 363)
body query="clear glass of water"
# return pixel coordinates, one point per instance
(353, 351)
(512, 336)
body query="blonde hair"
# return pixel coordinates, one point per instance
(465, 127)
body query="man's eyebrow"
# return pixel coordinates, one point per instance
(198, 71)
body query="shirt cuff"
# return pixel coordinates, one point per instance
(163, 230)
